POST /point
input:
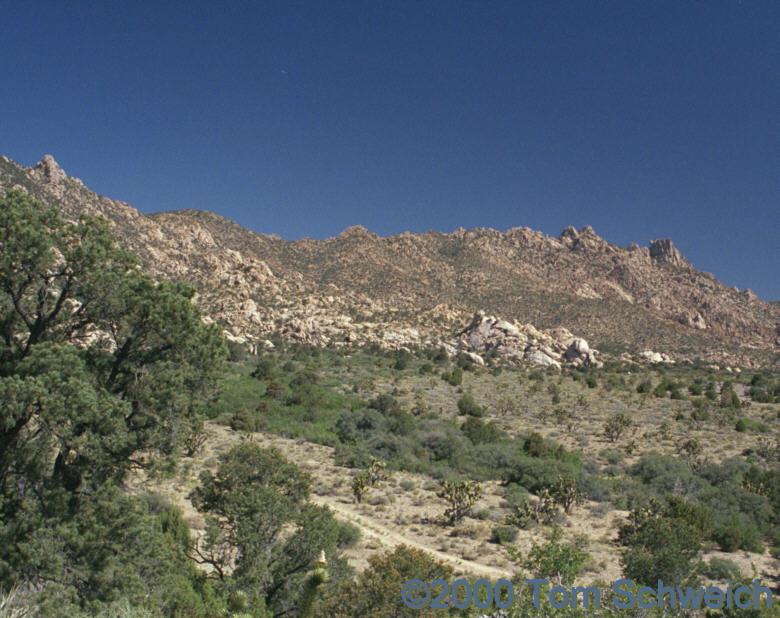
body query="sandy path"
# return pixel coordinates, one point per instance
(390, 539)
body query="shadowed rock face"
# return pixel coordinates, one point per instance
(663, 250)
(422, 289)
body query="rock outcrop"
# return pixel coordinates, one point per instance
(525, 342)
(663, 250)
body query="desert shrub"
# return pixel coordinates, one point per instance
(765, 483)
(481, 433)
(728, 538)
(443, 441)
(662, 472)
(469, 407)
(397, 451)
(305, 377)
(729, 398)
(536, 474)
(402, 360)
(521, 514)
(775, 549)
(699, 413)
(348, 534)
(736, 495)
(722, 569)
(514, 493)
(401, 422)
(616, 425)
(536, 446)
(265, 369)
(660, 389)
(275, 388)
(243, 420)
(596, 489)
(237, 352)
(353, 426)
(455, 377)
(695, 389)
(426, 369)
(555, 559)
(748, 424)
(612, 456)
(383, 403)
(379, 585)
(503, 535)
(661, 542)
(644, 387)
(440, 356)
(760, 395)
(305, 394)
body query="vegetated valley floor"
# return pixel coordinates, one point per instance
(681, 412)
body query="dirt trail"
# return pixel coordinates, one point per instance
(388, 538)
(385, 525)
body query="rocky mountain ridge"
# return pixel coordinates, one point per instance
(423, 289)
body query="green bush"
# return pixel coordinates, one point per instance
(469, 407)
(455, 378)
(661, 543)
(243, 420)
(402, 360)
(556, 559)
(481, 433)
(722, 569)
(728, 538)
(348, 534)
(738, 534)
(536, 446)
(748, 424)
(265, 370)
(612, 456)
(383, 403)
(695, 389)
(644, 387)
(503, 535)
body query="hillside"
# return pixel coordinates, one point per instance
(425, 288)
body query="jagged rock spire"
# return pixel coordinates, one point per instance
(51, 169)
(663, 250)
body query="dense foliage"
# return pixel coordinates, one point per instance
(101, 369)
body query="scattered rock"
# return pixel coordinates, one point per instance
(656, 357)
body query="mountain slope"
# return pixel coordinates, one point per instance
(422, 288)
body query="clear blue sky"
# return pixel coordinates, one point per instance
(642, 119)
